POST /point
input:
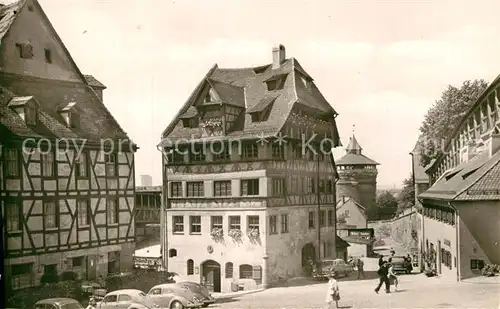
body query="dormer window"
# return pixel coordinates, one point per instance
(190, 118)
(260, 111)
(26, 108)
(276, 82)
(25, 50)
(306, 82)
(208, 98)
(70, 115)
(31, 115)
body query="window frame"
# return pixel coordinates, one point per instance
(56, 223)
(285, 224)
(12, 161)
(112, 201)
(233, 225)
(250, 187)
(176, 226)
(82, 165)
(193, 224)
(219, 185)
(87, 212)
(178, 192)
(9, 205)
(273, 224)
(111, 160)
(197, 187)
(48, 165)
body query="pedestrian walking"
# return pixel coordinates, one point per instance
(360, 265)
(380, 261)
(332, 292)
(392, 276)
(383, 272)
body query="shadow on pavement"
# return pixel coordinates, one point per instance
(344, 307)
(369, 275)
(224, 300)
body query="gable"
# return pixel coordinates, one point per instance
(32, 35)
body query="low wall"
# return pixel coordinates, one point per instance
(404, 229)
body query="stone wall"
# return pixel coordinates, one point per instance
(400, 229)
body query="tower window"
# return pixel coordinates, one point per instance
(48, 56)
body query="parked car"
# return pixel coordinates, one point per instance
(200, 292)
(58, 303)
(325, 267)
(399, 264)
(174, 295)
(126, 299)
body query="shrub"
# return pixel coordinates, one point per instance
(69, 276)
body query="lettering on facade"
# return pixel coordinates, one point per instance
(360, 233)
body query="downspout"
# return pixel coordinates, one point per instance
(457, 230)
(319, 206)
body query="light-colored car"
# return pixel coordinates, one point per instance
(126, 299)
(200, 292)
(58, 303)
(338, 266)
(174, 296)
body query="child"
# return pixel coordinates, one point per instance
(392, 275)
(332, 293)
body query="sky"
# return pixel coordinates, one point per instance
(380, 64)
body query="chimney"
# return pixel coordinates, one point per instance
(279, 56)
(494, 143)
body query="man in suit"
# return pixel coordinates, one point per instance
(383, 273)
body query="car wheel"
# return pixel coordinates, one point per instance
(176, 305)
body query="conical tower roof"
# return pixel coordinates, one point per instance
(354, 146)
(354, 155)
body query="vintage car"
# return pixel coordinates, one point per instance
(325, 267)
(200, 292)
(399, 264)
(58, 303)
(174, 295)
(126, 299)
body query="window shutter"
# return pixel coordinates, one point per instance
(257, 272)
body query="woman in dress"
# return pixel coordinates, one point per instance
(392, 275)
(332, 293)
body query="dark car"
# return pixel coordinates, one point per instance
(200, 292)
(58, 303)
(399, 264)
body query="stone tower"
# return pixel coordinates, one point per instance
(357, 175)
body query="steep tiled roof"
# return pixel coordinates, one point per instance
(255, 95)
(92, 81)
(477, 179)
(341, 204)
(353, 159)
(95, 121)
(354, 155)
(7, 15)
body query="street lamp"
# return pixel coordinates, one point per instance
(164, 206)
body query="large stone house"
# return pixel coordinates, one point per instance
(67, 189)
(461, 230)
(249, 202)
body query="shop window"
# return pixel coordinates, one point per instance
(246, 271)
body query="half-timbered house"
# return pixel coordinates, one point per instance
(249, 201)
(461, 209)
(67, 189)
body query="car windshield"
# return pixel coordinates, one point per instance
(398, 260)
(327, 263)
(72, 306)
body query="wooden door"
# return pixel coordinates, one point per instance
(91, 267)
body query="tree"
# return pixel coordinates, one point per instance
(445, 115)
(406, 197)
(387, 205)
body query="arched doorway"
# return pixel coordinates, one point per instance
(210, 275)
(308, 258)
